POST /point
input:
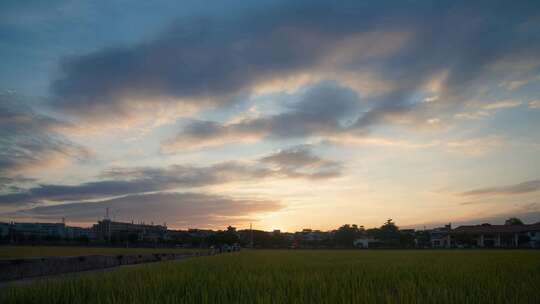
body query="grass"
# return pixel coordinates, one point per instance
(307, 277)
(8, 252)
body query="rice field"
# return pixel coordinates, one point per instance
(481, 276)
(9, 252)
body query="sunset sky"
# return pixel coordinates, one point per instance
(287, 114)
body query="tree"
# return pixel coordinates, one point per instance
(346, 235)
(228, 237)
(133, 237)
(83, 239)
(513, 221)
(389, 233)
(406, 240)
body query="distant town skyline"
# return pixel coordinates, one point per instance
(284, 114)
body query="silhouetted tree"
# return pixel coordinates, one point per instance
(513, 221)
(133, 238)
(406, 240)
(346, 234)
(228, 237)
(523, 239)
(389, 234)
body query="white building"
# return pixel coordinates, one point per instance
(440, 237)
(364, 242)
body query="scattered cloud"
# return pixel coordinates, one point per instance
(301, 162)
(308, 71)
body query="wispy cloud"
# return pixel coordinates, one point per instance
(521, 188)
(503, 104)
(474, 146)
(472, 115)
(320, 110)
(31, 141)
(488, 109)
(535, 104)
(520, 82)
(136, 180)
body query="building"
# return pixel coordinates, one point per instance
(79, 232)
(364, 242)
(39, 230)
(410, 232)
(440, 237)
(4, 230)
(201, 233)
(486, 235)
(111, 230)
(533, 232)
(310, 235)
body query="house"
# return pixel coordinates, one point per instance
(440, 237)
(486, 235)
(364, 242)
(315, 235)
(533, 232)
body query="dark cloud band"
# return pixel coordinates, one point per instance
(296, 163)
(208, 61)
(176, 209)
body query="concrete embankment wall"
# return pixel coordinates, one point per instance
(16, 269)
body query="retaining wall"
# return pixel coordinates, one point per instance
(15, 269)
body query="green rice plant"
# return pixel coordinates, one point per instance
(317, 276)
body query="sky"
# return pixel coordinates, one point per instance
(283, 114)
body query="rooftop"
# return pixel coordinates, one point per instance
(487, 228)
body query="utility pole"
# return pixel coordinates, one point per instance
(251, 235)
(108, 224)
